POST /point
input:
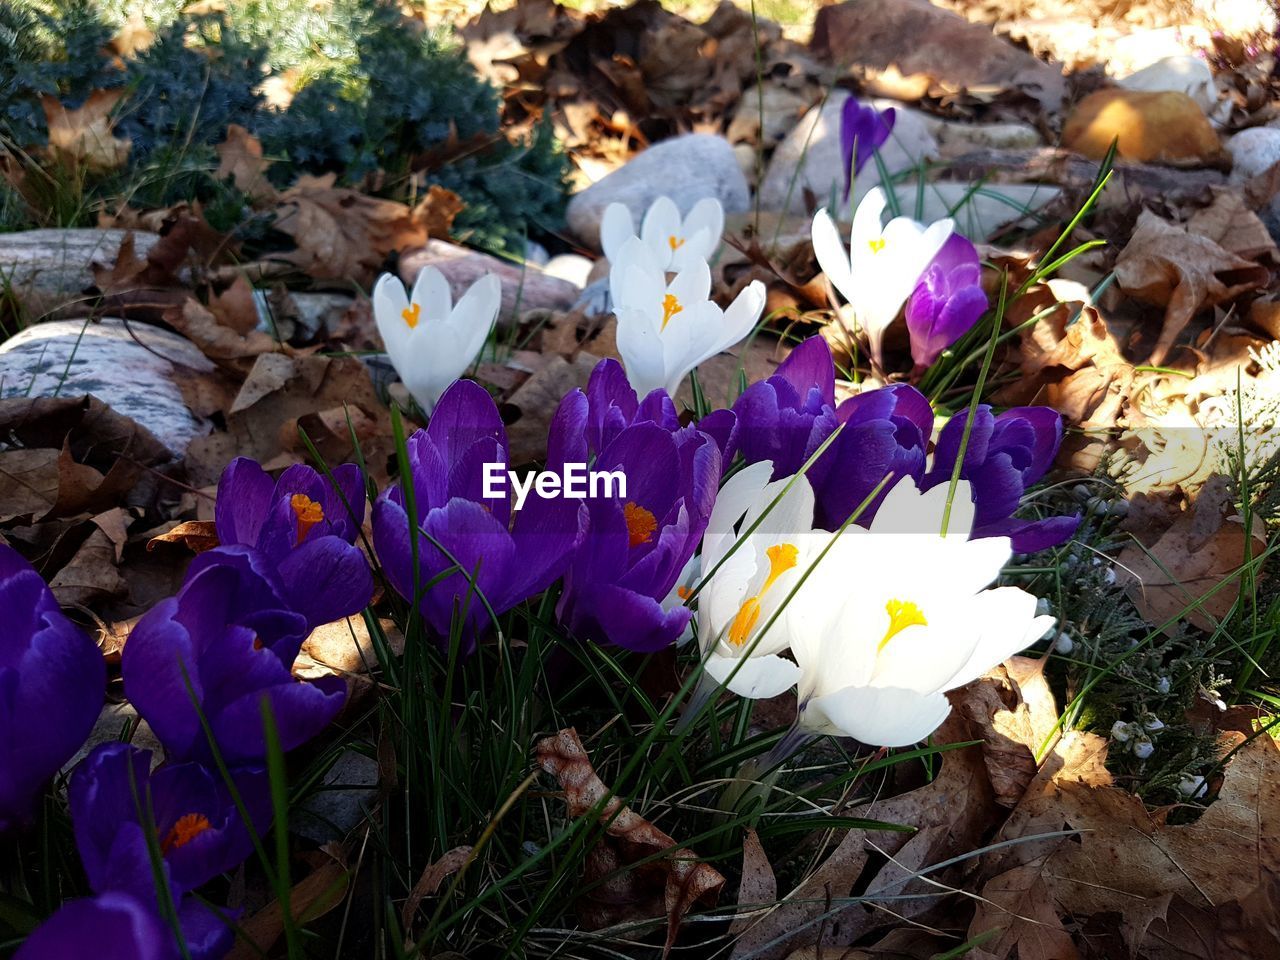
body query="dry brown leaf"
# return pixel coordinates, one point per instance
(91, 575)
(1203, 548)
(236, 307)
(342, 234)
(83, 136)
(240, 159)
(1014, 709)
(435, 874)
(670, 885)
(196, 535)
(1079, 369)
(943, 828)
(1231, 224)
(433, 215)
(345, 646)
(1165, 265)
(222, 344)
(758, 888)
(311, 898)
(532, 406)
(1126, 861)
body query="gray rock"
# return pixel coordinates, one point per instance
(50, 269)
(133, 369)
(783, 109)
(810, 158)
(956, 139)
(333, 811)
(114, 719)
(686, 169)
(524, 287)
(573, 267)
(1254, 151)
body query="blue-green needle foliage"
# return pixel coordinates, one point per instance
(377, 100)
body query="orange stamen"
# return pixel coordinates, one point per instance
(412, 314)
(640, 524)
(188, 827)
(670, 307)
(308, 512)
(782, 557)
(676, 243)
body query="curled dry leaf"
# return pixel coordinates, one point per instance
(1014, 709)
(223, 344)
(1079, 369)
(240, 160)
(1166, 265)
(196, 535)
(83, 136)
(311, 898)
(435, 874)
(670, 885)
(1200, 551)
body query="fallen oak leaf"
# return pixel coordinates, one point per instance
(677, 880)
(220, 343)
(240, 160)
(759, 886)
(311, 898)
(83, 135)
(1166, 265)
(1185, 565)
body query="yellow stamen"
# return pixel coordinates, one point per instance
(640, 524)
(902, 614)
(670, 307)
(188, 827)
(876, 245)
(308, 512)
(412, 314)
(676, 242)
(782, 557)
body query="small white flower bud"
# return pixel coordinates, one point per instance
(1121, 731)
(1163, 686)
(1081, 491)
(1109, 576)
(1152, 723)
(1143, 748)
(1042, 606)
(1120, 508)
(1065, 644)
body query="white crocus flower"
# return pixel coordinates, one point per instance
(666, 329)
(742, 596)
(894, 616)
(676, 242)
(883, 264)
(431, 341)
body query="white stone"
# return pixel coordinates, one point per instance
(1181, 74)
(573, 267)
(686, 169)
(1253, 151)
(810, 157)
(49, 269)
(133, 369)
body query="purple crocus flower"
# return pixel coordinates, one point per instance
(864, 129)
(612, 406)
(462, 531)
(231, 635)
(197, 826)
(51, 683)
(1005, 455)
(111, 926)
(947, 302)
(635, 545)
(788, 416)
(305, 528)
(116, 800)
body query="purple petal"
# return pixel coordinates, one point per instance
(809, 366)
(466, 413)
(325, 580)
(299, 709)
(113, 926)
(245, 497)
(1030, 536)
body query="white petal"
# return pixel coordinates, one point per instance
(661, 224)
(867, 219)
(757, 678)
(389, 304)
(707, 215)
(640, 346)
(474, 316)
(877, 716)
(1008, 623)
(616, 228)
(832, 257)
(431, 293)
